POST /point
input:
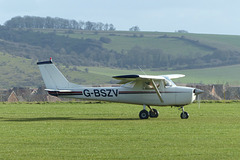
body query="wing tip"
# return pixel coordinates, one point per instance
(44, 62)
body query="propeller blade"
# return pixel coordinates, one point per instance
(199, 100)
(197, 93)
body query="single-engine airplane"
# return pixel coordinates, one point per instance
(147, 90)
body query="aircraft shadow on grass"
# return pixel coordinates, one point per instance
(65, 119)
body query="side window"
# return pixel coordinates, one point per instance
(167, 83)
(149, 85)
(129, 84)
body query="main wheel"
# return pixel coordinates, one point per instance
(143, 114)
(184, 115)
(153, 113)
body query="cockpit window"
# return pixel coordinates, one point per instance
(169, 82)
(129, 84)
(160, 83)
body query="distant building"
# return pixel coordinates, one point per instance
(12, 97)
(181, 31)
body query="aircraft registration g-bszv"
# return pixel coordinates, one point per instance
(147, 90)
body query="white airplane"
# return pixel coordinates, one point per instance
(147, 90)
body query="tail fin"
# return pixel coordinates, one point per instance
(53, 78)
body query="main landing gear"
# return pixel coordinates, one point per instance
(144, 114)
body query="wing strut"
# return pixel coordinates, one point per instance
(157, 91)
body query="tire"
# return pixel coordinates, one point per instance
(143, 114)
(153, 113)
(184, 115)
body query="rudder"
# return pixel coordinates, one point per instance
(52, 77)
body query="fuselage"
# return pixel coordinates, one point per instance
(172, 96)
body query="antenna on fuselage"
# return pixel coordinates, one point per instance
(141, 70)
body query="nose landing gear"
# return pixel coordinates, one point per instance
(184, 115)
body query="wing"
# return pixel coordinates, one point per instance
(174, 76)
(129, 78)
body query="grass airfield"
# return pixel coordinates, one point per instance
(84, 130)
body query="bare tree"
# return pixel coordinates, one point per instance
(134, 28)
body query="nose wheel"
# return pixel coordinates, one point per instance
(184, 115)
(144, 114)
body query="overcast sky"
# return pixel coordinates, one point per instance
(195, 16)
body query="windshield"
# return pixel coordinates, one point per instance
(169, 82)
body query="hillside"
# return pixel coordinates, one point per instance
(92, 57)
(175, 50)
(20, 72)
(129, 50)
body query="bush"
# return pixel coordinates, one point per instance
(105, 40)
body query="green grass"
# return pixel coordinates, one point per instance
(114, 131)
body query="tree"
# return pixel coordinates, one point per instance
(100, 26)
(105, 27)
(111, 27)
(134, 28)
(88, 26)
(56, 23)
(81, 25)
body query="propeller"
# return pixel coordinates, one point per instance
(198, 100)
(197, 93)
